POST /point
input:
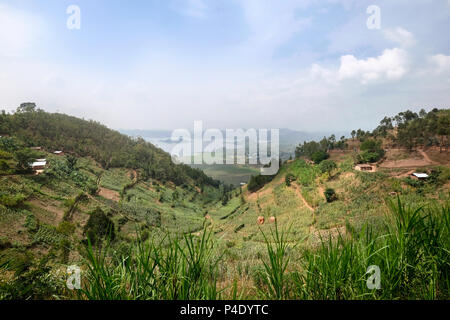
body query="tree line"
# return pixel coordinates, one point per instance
(407, 129)
(55, 131)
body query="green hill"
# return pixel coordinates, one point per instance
(141, 227)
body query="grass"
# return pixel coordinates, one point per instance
(169, 269)
(408, 242)
(275, 267)
(412, 254)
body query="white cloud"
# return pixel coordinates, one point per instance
(440, 63)
(391, 65)
(399, 36)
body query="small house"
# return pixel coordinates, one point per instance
(36, 148)
(38, 166)
(365, 167)
(58, 153)
(419, 176)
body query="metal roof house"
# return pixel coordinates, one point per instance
(38, 166)
(419, 176)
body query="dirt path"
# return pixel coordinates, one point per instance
(255, 195)
(299, 194)
(419, 159)
(425, 156)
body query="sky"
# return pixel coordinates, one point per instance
(309, 65)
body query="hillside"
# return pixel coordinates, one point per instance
(141, 227)
(105, 183)
(109, 148)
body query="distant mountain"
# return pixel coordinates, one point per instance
(289, 138)
(157, 134)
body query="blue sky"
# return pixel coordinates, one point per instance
(309, 65)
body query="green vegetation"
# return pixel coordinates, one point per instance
(330, 195)
(412, 254)
(141, 227)
(258, 181)
(99, 226)
(109, 148)
(327, 166)
(169, 269)
(371, 151)
(319, 149)
(319, 156)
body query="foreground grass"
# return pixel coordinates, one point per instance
(412, 254)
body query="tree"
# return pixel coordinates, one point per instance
(71, 162)
(371, 151)
(319, 156)
(27, 107)
(99, 226)
(353, 134)
(24, 158)
(327, 166)
(225, 199)
(443, 130)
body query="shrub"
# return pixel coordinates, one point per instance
(330, 195)
(36, 284)
(257, 182)
(319, 156)
(12, 201)
(66, 228)
(327, 166)
(31, 223)
(99, 226)
(288, 179)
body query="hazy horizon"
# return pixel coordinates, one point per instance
(311, 66)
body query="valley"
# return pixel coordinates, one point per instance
(140, 226)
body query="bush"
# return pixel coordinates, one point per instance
(99, 226)
(289, 178)
(66, 228)
(38, 284)
(327, 166)
(12, 201)
(319, 156)
(330, 195)
(257, 182)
